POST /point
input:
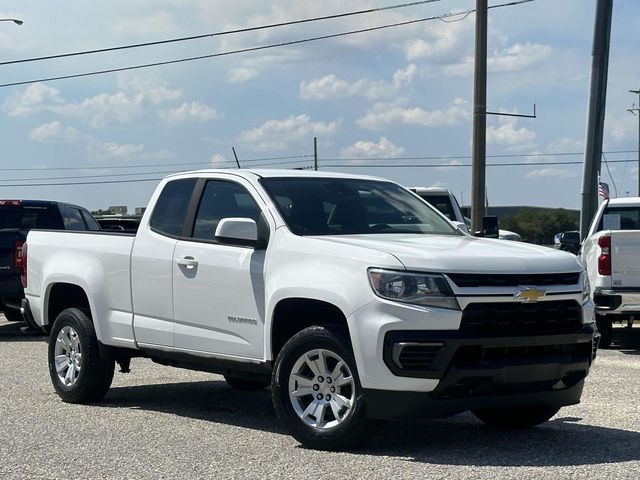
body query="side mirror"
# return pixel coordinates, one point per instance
(490, 227)
(237, 231)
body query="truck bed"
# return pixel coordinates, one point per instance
(106, 255)
(625, 258)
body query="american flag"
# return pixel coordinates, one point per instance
(603, 190)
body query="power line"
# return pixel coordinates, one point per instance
(449, 165)
(217, 34)
(162, 172)
(254, 49)
(463, 157)
(148, 165)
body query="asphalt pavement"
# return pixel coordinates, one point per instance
(160, 422)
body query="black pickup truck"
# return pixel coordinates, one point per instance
(17, 217)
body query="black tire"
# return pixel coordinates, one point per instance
(605, 327)
(246, 384)
(13, 315)
(94, 378)
(516, 417)
(355, 428)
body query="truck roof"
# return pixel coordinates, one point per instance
(431, 190)
(628, 201)
(273, 172)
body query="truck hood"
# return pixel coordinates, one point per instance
(464, 254)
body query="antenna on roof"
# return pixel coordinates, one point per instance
(236, 156)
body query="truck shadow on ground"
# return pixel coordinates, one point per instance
(626, 340)
(460, 440)
(10, 332)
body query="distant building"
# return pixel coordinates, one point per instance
(118, 209)
(140, 211)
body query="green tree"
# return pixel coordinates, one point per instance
(539, 225)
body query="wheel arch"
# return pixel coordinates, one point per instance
(62, 295)
(291, 315)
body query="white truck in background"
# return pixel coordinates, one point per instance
(611, 253)
(446, 202)
(351, 297)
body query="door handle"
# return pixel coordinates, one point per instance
(188, 262)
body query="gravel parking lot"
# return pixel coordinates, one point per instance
(161, 422)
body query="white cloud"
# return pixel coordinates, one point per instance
(516, 58)
(621, 128)
(507, 133)
(242, 75)
(551, 172)
(135, 98)
(331, 86)
(113, 150)
(384, 148)
(280, 134)
(382, 115)
(32, 99)
(55, 132)
(196, 111)
(440, 41)
(452, 163)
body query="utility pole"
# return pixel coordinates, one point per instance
(315, 153)
(636, 112)
(479, 154)
(595, 116)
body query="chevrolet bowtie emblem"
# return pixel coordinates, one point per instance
(529, 295)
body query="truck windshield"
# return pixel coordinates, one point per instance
(442, 203)
(335, 206)
(620, 218)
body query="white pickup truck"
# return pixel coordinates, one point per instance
(352, 297)
(611, 253)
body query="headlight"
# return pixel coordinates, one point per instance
(416, 288)
(586, 287)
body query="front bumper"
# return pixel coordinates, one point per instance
(617, 301)
(483, 372)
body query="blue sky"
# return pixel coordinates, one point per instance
(403, 92)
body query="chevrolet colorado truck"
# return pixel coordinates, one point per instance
(610, 253)
(350, 296)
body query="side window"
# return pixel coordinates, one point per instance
(220, 200)
(90, 221)
(72, 218)
(171, 208)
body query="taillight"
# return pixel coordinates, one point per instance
(23, 263)
(604, 260)
(17, 255)
(10, 203)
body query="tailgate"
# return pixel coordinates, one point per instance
(625, 258)
(7, 250)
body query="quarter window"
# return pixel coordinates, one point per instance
(171, 208)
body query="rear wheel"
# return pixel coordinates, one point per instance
(78, 373)
(516, 417)
(605, 327)
(316, 391)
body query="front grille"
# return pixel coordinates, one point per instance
(464, 280)
(416, 357)
(510, 318)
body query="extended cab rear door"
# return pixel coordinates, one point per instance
(152, 264)
(218, 290)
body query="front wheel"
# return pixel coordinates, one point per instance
(516, 417)
(78, 373)
(316, 391)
